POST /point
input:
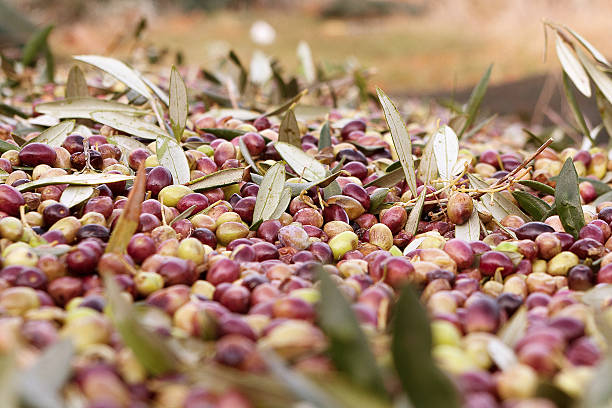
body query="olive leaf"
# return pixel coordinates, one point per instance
(348, 345)
(331, 190)
(393, 166)
(502, 355)
(533, 205)
(40, 384)
(286, 105)
(119, 70)
(603, 82)
(217, 179)
(76, 85)
(304, 165)
(5, 146)
(602, 198)
(475, 100)
(536, 185)
(421, 379)
(427, 167)
(179, 107)
(498, 205)
(446, 152)
(75, 195)
(388, 180)
(160, 94)
(567, 199)
(185, 214)
(592, 50)
(289, 131)
(75, 180)
(283, 204)
(8, 394)
(572, 67)
(127, 144)
(598, 392)
(415, 214)
(481, 125)
(400, 137)
(270, 193)
(128, 124)
(11, 111)
(83, 108)
(514, 329)
(302, 387)
(324, 136)
(469, 230)
(35, 45)
(244, 150)
(243, 72)
(171, 155)
(54, 136)
(377, 199)
(227, 134)
(573, 104)
(149, 348)
(127, 224)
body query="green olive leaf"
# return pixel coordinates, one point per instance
(160, 94)
(127, 144)
(567, 199)
(217, 179)
(286, 105)
(537, 186)
(348, 345)
(470, 230)
(475, 100)
(75, 195)
(533, 205)
(150, 349)
(304, 165)
(289, 131)
(421, 379)
(76, 85)
(401, 138)
(84, 107)
(270, 193)
(498, 205)
(129, 124)
(247, 155)
(35, 45)
(446, 152)
(572, 67)
(179, 107)
(427, 166)
(172, 156)
(54, 136)
(75, 180)
(5, 146)
(388, 180)
(40, 384)
(603, 82)
(119, 71)
(185, 214)
(415, 214)
(227, 134)
(283, 203)
(377, 199)
(575, 108)
(324, 136)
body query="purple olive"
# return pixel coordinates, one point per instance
(34, 154)
(492, 261)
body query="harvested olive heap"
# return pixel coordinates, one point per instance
(170, 253)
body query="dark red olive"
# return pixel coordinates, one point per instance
(205, 236)
(65, 288)
(268, 230)
(158, 178)
(322, 252)
(236, 299)
(82, 260)
(394, 218)
(224, 270)
(244, 208)
(136, 157)
(580, 277)
(95, 159)
(93, 231)
(39, 333)
(243, 253)
(197, 199)
(100, 204)
(240, 241)
(249, 190)
(177, 271)
(351, 127)
(31, 277)
(588, 248)
(592, 231)
(78, 160)
(490, 157)
(55, 212)
(356, 169)
(351, 155)
(482, 315)
(34, 154)
(183, 228)
(74, 144)
(140, 247)
(358, 193)
(254, 143)
(531, 230)
(509, 303)
(265, 251)
(570, 327)
(334, 212)
(461, 252)
(148, 222)
(109, 151)
(492, 261)
(10, 200)
(566, 240)
(583, 351)
(397, 271)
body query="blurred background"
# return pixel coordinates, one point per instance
(436, 48)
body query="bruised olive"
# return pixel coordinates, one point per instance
(459, 208)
